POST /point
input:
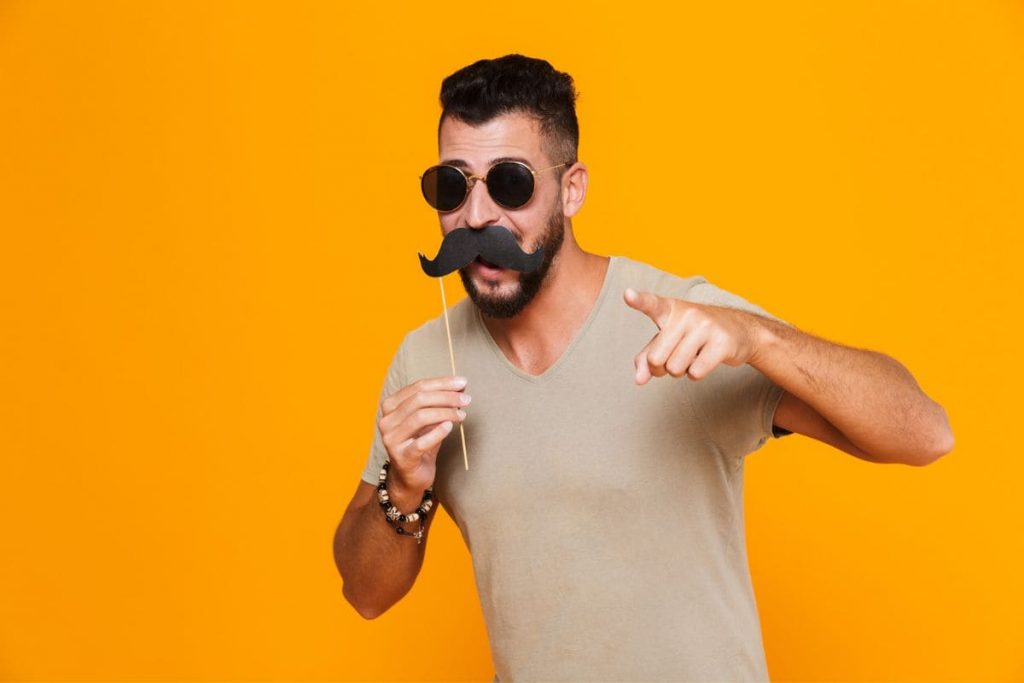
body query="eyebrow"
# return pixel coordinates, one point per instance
(463, 164)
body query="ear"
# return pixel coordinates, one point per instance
(574, 189)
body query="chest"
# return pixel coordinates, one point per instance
(590, 438)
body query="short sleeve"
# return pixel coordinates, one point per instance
(394, 379)
(737, 404)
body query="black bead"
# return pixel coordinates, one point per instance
(401, 518)
(423, 515)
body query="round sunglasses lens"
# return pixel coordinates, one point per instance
(443, 187)
(510, 184)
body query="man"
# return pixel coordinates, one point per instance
(603, 509)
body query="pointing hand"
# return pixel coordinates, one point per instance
(692, 339)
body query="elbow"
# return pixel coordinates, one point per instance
(944, 447)
(941, 440)
(369, 613)
(364, 610)
(945, 444)
(942, 434)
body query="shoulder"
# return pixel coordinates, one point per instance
(646, 277)
(424, 351)
(460, 319)
(695, 288)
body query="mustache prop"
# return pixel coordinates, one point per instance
(493, 243)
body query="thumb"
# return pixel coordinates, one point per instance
(647, 302)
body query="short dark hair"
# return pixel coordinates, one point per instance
(488, 88)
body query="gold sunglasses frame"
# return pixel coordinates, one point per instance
(471, 181)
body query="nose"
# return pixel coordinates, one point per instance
(481, 210)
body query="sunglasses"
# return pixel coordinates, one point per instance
(510, 184)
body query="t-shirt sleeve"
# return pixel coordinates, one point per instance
(394, 379)
(735, 403)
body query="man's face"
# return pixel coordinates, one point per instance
(503, 292)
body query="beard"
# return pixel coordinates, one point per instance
(529, 284)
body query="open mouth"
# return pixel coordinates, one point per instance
(487, 263)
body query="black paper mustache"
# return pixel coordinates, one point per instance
(493, 243)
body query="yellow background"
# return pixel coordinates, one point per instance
(210, 219)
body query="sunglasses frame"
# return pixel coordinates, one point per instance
(471, 181)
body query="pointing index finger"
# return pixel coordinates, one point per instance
(649, 303)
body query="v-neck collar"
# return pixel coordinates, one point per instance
(563, 359)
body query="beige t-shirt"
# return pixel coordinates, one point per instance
(604, 518)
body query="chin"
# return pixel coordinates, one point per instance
(495, 298)
(491, 284)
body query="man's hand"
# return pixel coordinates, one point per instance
(415, 421)
(692, 338)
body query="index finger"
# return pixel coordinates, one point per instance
(654, 306)
(439, 383)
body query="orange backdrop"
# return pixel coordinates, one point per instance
(210, 220)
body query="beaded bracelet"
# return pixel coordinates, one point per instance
(394, 515)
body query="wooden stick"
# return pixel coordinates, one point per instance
(451, 352)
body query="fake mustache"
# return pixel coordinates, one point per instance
(493, 243)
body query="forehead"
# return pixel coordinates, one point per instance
(506, 136)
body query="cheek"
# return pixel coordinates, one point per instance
(529, 225)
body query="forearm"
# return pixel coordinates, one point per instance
(377, 565)
(870, 397)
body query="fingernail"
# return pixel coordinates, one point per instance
(460, 412)
(459, 381)
(464, 399)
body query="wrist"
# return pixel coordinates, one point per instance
(765, 339)
(392, 507)
(406, 500)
